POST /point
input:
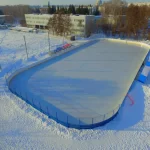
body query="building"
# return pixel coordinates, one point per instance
(80, 22)
(99, 3)
(140, 3)
(2, 19)
(44, 10)
(37, 20)
(98, 6)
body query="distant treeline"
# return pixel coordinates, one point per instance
(83, 10)
(118, 18)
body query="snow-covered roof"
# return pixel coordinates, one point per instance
(2, 16)
(51, 15)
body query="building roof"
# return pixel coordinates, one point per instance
(50, 15)
(1, 16)
(139, 3)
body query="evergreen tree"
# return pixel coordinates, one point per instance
(71, 9)
(78, 11)
(58, 8)
(62, 10)
(53, 9)
(87, 11)
(49, 9)
(1, 12)
(37, 10)
(82, 10)
(96, 12)
(65, 10)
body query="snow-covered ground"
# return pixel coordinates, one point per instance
(12, 47)
(24, 128)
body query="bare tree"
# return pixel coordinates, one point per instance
(60, 24)
(67, 24)
(136, 20)
(103, 25)
(17, 12)
(52, 24)
(114, 11)
(114, 7)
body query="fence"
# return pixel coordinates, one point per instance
(63, 118)
(18, 47)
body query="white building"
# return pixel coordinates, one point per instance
(98, 2)
(37, 21)
(80, 22)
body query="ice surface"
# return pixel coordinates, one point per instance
(84, 84)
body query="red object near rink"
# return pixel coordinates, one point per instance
(131, 99)
(66, 46)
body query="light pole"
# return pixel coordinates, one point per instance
(26, 46)
(49, 43)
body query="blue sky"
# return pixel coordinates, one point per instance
(43, 2)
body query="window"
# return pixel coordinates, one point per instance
(77, 20)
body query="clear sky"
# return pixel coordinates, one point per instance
(44, 2)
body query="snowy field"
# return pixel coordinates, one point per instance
(22, 127)
(13, 50)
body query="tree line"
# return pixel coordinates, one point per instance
(1, 12)
(17, 11)
(15, 14)
(123, 20)
(83, 10)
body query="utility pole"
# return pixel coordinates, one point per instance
(26, 46)
(63, 39)
(49, 43)
(0, 67)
